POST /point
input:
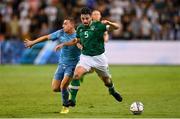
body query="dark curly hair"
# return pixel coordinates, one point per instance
(86, 10)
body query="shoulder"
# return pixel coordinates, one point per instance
(98, 24)
(60, 31)
(80, 26)
(57, 33)
(74, 35)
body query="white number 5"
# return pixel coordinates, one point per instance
(86, 34)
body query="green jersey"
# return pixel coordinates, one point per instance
(91, 38)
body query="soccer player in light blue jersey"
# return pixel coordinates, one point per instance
(69, 56)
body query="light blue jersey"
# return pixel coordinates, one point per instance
(68, 54)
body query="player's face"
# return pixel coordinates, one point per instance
(85, 19)
(67, 26)
(96, 15)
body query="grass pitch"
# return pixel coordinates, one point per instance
(25, 91)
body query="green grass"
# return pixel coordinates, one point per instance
(25, 91)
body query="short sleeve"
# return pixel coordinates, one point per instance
(54, 36)
(103, 27)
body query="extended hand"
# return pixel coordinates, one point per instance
(105, 22)
(79, 46)
(28, 43)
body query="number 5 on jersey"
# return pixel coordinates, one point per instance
(86, 34)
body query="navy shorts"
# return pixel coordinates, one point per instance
(64, 70)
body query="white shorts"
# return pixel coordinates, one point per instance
(99, 63)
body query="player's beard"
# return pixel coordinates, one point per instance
(86, 24)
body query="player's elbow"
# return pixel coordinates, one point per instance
(47, 37)
(106, 39)
(117, 26)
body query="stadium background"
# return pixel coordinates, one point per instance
(145, 53)
(150, 20)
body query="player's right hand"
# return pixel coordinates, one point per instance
(28, 43)
(105, 22)
(58, 47)
(79, 46)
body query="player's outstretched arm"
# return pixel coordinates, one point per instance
(29, 44)
(70, 43)
(112, 25)
(106, 37)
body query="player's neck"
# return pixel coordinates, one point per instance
(90, 23)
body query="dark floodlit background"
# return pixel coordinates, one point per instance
(140, 20)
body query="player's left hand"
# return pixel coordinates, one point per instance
(28, 43)
(79, 46)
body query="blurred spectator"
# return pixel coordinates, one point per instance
(24, 24)
(3, 28)
(14, 26)
(126, 28)
(136, 27)
(51, 12)
(156, 30)
(42, 17)
(44, 29)
(152, 14)
(166, 31)
(176, 28)
(7, 11)
(157, 19)
(102, 6)
(116, 11)
(146, 27)
(34, 27)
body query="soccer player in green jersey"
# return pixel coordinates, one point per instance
(90, 35)
(96, 16)
(74, 86)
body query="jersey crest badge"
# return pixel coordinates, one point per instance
(92, 28)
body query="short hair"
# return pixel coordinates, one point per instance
(86, 10)
(71, 19)
(96, 11)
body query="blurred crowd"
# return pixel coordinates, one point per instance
(139, 19)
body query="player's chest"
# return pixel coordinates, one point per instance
(89, 33)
